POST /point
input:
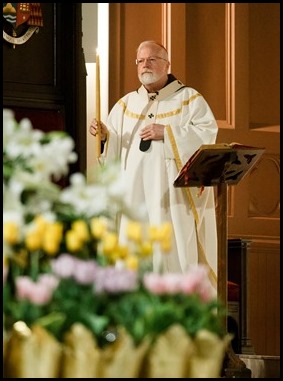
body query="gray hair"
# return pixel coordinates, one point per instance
(152, 42)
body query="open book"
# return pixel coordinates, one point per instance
(212, 164)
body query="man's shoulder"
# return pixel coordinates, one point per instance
(130, 96)
(186, 91)
(189, 89)
(124, 100)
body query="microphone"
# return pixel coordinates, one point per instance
(144, 145)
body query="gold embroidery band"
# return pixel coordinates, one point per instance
(201, 254)
(179, 167)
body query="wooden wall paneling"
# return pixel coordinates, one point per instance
(263, 207)
(264, 297)
(240, 89)
(263, 185)
(257, 196)
(177, 33)
(264, 65)
(259, 211)
(206, 49)
(41, 118)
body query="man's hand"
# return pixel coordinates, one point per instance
(153, 132)
(93, 129)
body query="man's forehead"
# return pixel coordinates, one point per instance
(150, 47)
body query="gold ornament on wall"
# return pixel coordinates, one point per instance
(21, 21)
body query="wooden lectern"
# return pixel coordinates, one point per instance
(220, 165)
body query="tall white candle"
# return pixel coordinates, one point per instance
(97, 96)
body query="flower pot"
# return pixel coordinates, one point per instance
(31, 353)
(176, 355)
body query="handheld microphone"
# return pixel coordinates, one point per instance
(144, 145)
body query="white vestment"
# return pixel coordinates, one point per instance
(150, 175)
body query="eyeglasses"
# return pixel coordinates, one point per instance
(151, 60)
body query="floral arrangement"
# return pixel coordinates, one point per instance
(62, 260)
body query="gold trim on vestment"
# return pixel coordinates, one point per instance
(158, 116)
(201, 253)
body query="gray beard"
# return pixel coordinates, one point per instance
(148, 78)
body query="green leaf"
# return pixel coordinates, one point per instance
(53, 322)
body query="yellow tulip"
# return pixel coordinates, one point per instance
(132, 262)
(33, 240)
(54, 231)
(11, 232)
(98, 227)
(134, 231)
(73, 241)
(146, 249)
(40, 223)
(50, 244)
(110, 241)
(81, 228)
(123, 251)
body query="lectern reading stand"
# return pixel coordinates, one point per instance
(221, 165)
